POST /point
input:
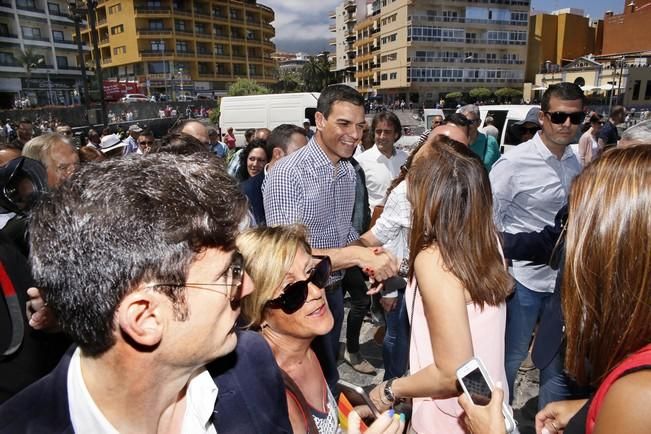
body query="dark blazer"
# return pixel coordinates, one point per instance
(251, 397)
(252, 188)
(544, 247)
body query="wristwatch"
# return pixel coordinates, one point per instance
(388, 392)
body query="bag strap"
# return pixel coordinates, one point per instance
(15, 310)
(293, 388)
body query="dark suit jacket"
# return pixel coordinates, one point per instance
(544, 247)
(251, 397)
(252, 188)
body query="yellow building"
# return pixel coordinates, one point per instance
(175, 47)
(558, 38)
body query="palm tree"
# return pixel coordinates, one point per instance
(29, 60)
(317, 74)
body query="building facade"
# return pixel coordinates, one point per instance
(560, 37)
(44, 30)
(420, 50)
(630, 31)
(345, 17)
(174, 47)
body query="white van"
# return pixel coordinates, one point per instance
(265, 111)
(505, 116)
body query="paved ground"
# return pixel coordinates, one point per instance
(525, 400)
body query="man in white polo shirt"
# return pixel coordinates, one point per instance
(382, 162)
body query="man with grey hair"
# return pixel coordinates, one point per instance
(638, 134)
(56, 153)
(484, 146)
(490, 129)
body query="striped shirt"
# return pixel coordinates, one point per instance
(306, 188)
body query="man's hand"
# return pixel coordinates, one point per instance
(40, 316)
(379, 264)
(484, 419)
(389, 303)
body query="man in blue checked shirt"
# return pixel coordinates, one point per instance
(315, 186)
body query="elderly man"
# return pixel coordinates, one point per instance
(315, 186)
(56, 153)
(530, 184)
(196, 129)
(148, 306)
(484, 146)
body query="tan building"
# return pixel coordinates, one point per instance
(630, 31)
(45, 29)
(559, 37)
(174, 46)
(345, 17)
(420, 50)
(624, 80)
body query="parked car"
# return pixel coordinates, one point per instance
(134, 97)
(186, 97)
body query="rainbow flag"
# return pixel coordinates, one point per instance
(345, 408)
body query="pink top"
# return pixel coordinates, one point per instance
(487, 332)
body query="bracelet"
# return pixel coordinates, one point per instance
(383, 396)
(388, 392)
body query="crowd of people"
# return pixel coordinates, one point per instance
(179, 284)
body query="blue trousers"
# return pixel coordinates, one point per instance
(326, 347)
(523, 311)
(395, 349)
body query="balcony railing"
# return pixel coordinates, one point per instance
(36, 38)
(157, 32)
(8, 35)
(151, 10)
(156, 53)
(185, 53)
(184, 32)
(24, 7)
(106, 60)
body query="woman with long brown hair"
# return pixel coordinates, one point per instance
(458, 287)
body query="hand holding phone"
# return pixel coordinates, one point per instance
(477, 385)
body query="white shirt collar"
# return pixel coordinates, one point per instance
(546, 153)
(85, 416)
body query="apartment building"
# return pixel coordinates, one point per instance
(559, 37)
(189, 47)
(45, 29)
(628, 32)
(420, 50)
(345, 17)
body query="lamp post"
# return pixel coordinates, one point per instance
(88, 9)
(82, 63)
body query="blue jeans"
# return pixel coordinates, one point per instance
(522, 312)
(326, 347)
(395, 349)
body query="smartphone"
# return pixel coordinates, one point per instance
(477, 385)
(359, 398)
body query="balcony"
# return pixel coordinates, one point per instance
(205, 74)
(156, 53)
(36, 38)
(154, 32)
(107, 60)
(202, 14)
(24, 7)
(204, 54)
(152, 11)
(101, 21)
(185, 53)
(184, 32)
(9, 62)
(59, 13)
(183, 12)
(8, 35)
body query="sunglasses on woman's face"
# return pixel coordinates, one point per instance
(294, 294)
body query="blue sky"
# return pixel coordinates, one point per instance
(302, 25)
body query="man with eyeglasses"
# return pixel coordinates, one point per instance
(148, 305)
(484, 146)
(530, 184)
(146, 140)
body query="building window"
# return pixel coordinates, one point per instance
(200, 28)
(62, 62)
(647, 91)
(155, 24)
(7, 59)
(204, 68)
(219, 49)
(120, 50)
(153, 4)
(181, 46)
(157, 67)
(157, 45)
(54, 8)
(393, 76)
(115, 9)
(57, 35)
(26, 4)
(116, 30)
(636, 89)
(31, 33)
(179, 25)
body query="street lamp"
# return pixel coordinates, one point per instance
(82, 62)
(41, 61)
(87, 8)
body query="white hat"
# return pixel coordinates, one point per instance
(135, 128)
(110, 142)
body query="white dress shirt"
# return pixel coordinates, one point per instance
(379, 172)
(86, 417)
(529, 186)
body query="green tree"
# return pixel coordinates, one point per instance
(244, 86)
(453, 96)
(316, 73)
(214, 114)
(29, 60)
(480, 93)
(507, 93)
(288, 81)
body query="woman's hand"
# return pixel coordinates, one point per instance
(553, 418)
(40, 316)
(484, 419)
(388, 423)
(376, 396)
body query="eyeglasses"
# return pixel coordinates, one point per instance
(146, 142)
(560, 117)
(233, 283)
(294, 294)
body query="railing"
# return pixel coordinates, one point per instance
(25, 7)
(59, 13)
(183, 12)
(462, 20)
(186, 53)
(463, 60)
(156, 53)
(8, 35)
(184, 32)
(101, 21)
(145, 32)
(36, 38)
(148, 10)
(107, 60)
(64, 41)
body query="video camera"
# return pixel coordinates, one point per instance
(22, 182)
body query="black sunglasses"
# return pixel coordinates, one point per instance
(560, 117)
(294, 294)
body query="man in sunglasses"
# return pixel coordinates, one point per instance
(530, 184)
(528, 127)
(148, 305)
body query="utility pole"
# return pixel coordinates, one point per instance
(82, 64)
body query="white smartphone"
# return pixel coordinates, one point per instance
(477, 385)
